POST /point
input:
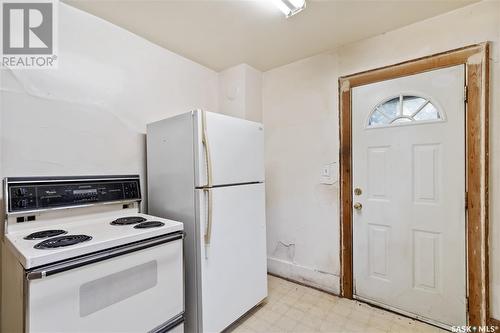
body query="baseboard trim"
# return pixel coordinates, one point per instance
(303, 284)
(303, 275)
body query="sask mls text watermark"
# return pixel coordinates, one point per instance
(475, 329)
(29, 38)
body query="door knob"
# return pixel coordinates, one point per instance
(358, 206)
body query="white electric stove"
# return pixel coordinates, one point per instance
(86, 260)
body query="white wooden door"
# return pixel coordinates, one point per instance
(409, 212)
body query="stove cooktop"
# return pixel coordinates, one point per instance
(97, 226)
(149, 224)
(62, 241)
(128, 220)
(45, 234)
(53, 242)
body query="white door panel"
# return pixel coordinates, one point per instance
(236, 149)
(409, 235)
(233, 268)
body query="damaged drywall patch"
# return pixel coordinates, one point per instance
(78, 79)
(287, 247)
(55, 88)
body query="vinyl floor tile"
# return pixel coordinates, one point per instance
(293, 308)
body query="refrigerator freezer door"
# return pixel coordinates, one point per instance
(233, 265)
(235, 148)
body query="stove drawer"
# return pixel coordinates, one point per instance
(133, 289)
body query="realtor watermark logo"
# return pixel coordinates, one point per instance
(29, 36)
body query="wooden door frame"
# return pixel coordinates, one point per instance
(476, 60)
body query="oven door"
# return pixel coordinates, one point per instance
(135, 288)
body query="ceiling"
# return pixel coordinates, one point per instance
(220, 34)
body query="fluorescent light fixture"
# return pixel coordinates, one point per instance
(290, 7)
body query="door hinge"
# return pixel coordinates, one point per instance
(466, 200)
(466, 93)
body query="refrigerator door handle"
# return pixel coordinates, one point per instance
(208, 227)
(206, 147)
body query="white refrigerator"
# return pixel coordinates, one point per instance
(207, 171)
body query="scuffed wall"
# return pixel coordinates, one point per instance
(469, 25)
(89, 116)
(301, 136)
(296, 98)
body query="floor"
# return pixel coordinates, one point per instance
(291, 307)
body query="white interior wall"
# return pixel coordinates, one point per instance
(240, 92)
(253, 94)
(89, 115)
(295, 95)
(301, 136)
(232, 91)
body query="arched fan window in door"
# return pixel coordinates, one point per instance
(404, 109)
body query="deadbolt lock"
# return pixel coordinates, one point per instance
(358, 206)
(357, 191)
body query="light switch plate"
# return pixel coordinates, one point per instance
(326, 171)
(329, 174)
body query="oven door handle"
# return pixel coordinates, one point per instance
(70, 264)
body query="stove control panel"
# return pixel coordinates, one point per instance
(34, 193)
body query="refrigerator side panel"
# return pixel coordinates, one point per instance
(236, 149)
(233, 264)
(171, 169)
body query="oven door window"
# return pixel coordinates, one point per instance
(104, 296)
